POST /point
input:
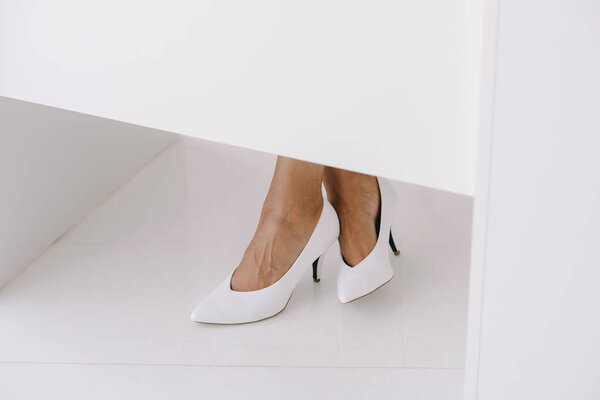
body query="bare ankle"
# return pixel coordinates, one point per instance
(291, 211)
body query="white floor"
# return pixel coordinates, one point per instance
(104, 313)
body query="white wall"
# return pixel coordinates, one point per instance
(539, 328)
(55, 166)
(384, 87)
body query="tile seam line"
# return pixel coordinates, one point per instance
(27, 363)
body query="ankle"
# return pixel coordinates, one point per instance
(357, 209)
(350, 204)
(291, 211)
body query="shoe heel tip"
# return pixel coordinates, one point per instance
(316, 280)
(396, 253)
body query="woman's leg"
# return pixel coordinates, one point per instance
(289, 215)
(355, 198)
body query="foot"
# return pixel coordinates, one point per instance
(284, 229)
(355, 198)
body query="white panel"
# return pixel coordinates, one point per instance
(55, 166)
(383, 87)
(541, 302)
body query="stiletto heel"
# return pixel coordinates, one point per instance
(227, 306)
(316, 269)
(376, 269)
(393, 245)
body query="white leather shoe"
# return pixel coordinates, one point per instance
(227, 306)
(376, 269)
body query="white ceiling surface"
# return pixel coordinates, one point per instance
(383, 87)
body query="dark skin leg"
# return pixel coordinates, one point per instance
(290, 213)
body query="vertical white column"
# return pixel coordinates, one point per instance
(539, 273)
(488, 35)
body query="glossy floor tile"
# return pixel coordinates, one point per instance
(433, 289)
(131, 304)
(115, 382)
(119, 287)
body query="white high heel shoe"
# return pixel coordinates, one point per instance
(376, 269)
(227, 306)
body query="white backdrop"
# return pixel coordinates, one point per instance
(383, 87)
